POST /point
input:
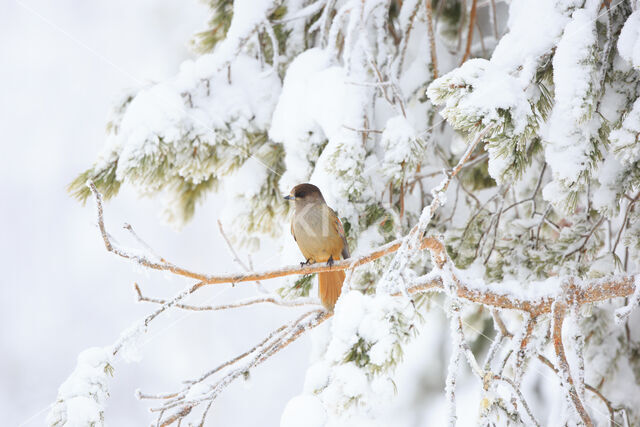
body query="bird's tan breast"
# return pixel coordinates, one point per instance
(315, 231)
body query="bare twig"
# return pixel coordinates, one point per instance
(624, 221)
(558, 312)
(432, 39)
(237, 259)
(472, 20)
(183, 403)
(244, 303)
(520, 398)
(592, 389)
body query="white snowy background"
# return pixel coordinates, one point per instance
(62, 64)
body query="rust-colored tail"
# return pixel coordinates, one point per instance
(329, 287)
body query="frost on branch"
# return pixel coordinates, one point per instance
(81, 398)
(574, 131)
(352, 380)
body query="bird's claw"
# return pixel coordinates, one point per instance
(307, 262)
(330, 261)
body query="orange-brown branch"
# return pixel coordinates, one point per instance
(472, 21)
(596, 291)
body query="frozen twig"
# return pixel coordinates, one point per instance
(521, 355)
(622, 314)
(404, 42)
(432, 39)
(558, 313)
(520, 398)
(196, 393)
(237, 259)
(592, 389)
(129, 228)
(452, 371)
(472, 19)
(243, 303)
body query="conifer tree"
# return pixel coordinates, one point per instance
(491, 146)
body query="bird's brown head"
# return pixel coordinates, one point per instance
(305, 193)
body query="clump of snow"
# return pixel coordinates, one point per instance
(622, 314)
(248, 16)
(570, 129)
(608, 175)
(629, 40)
(486, 89)
(81, 398)
(546, 19)
(319, 104)
(180, 122)
(624, 140)
(294, 122)
(304, 410)
(500, 91)
(401, 148)
(364, 327)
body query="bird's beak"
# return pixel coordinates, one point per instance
(289, 197)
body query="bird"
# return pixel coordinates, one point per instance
(320, 236)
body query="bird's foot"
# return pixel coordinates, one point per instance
(307, 262)
(330, 261)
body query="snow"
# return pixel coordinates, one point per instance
(81, 398)
(400, 144)
(247, 180)
(608, 176)
(622, 314)
(546, 19)
(226, 103)
(629, 40)
(248, 15)
(624, 140)
(130, 343)
(293, 121)
(534, 290)
(319, 104)
(197, 390)
(343, 388)
(306, 409)
(570, 129)
(499, 90)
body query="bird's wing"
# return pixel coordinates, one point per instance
(340, 230)
(292, 233)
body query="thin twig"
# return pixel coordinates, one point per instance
(592, 389)
(432, 39)
(558, 312)
(237, 259)
(472, 20)
(251, 301)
